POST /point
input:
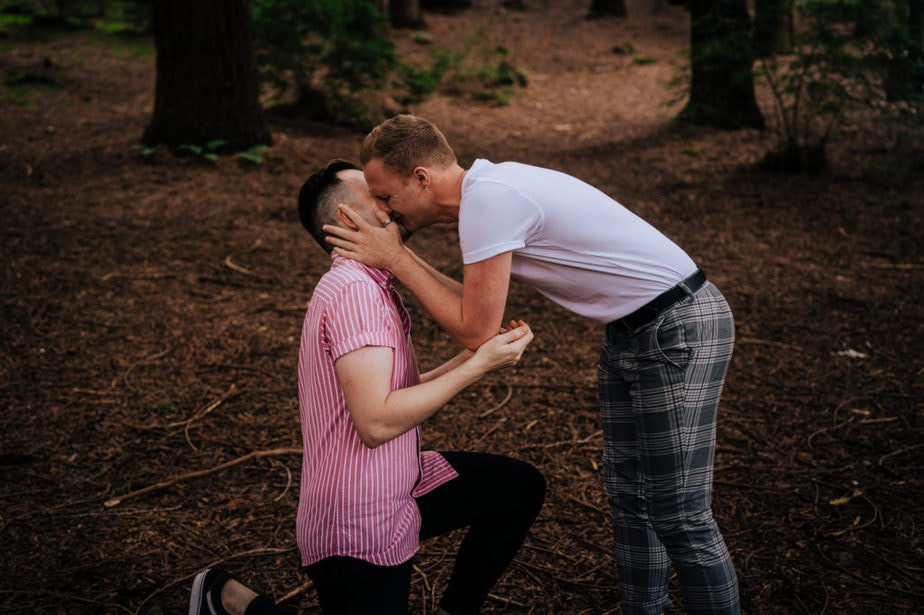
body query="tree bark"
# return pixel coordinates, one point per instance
(772, 27)
(902, 77)
(721, 61)
(445, 5)
(607, 8)
(916, 23)
(405, 14)
(207, 86)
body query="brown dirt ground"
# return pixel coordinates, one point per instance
(151, 312)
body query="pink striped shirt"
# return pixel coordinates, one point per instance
(356, 501)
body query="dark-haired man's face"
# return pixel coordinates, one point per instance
(362, 200)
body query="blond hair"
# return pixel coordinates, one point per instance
(404, 142)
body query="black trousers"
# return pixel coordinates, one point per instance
(497, 498)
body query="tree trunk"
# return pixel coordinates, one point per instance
(721, 59)
(405, 14)
(445, 5)
(916, 22)
(607, 8)
(772, 27)
(207, 86)
(903, 76)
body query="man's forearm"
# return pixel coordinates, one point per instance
(440, 295)
(450, 284)
(471, 311)
(449, 365)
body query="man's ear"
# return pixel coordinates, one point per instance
(422, 176)
(345, 221)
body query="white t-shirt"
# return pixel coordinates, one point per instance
(570, 241)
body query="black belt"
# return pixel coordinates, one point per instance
(650, 310)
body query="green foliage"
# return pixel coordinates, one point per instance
(148, 152)
(420, 83)
(209, 151)
(628, 48)
(126, 17)
(840, 62)
(165, 408)
(423, 38)
(9, 23)
(336, 51)
(254, 155)
(482, 71)
(18, 96)
(334, 58)
(20, 84)
(106, 16)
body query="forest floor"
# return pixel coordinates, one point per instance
(151, 309)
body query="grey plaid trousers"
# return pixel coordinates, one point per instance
(659, 388)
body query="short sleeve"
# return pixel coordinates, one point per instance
(493, 219)
(363, 317)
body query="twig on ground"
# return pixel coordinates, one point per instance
(900, 451)
(500, 405)
(423, 575)
(591, 438)
(177, 479)
(818, 432)
(856, 524)
(235, 267)
(186, 423)
(288, 482)
(232, 390)
(149, 359)
(497, 598)
(754, 340)
(496, 426)
(593, 507)
(60, 597)
(899, 266)
(297, 591)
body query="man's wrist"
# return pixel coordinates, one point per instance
(400, 264)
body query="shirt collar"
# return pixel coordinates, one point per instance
(382, 277)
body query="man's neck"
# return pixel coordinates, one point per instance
(447, 193)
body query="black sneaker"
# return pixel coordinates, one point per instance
(205, 598)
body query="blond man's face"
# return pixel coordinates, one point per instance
(402, 197)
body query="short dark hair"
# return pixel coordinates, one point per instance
(318, 199)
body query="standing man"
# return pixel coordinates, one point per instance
(368, 493)
(667, 342)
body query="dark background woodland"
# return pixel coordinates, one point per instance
(152, 302)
